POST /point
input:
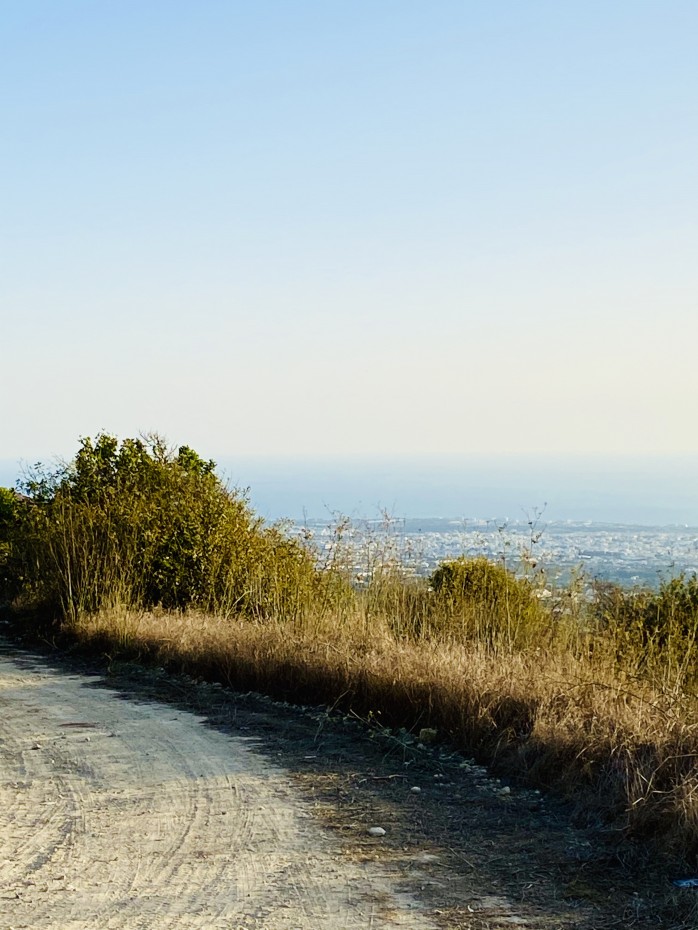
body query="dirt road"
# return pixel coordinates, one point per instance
(119, 808)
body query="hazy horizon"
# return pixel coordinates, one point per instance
(641, 492)
(644, 491)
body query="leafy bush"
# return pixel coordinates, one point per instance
(138, 524)
(653, 625)
(8, 501)
(9, 570)
(476, 598)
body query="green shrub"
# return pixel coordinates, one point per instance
(138, 524)
(476, 598)
(8, 506)
(652, 626)
(9, 573)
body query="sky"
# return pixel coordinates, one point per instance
(370, 230)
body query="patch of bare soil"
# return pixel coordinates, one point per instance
(133, 799)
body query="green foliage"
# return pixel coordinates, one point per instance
(476, 598)
(138, 524)
(8, 506)
(17, 531)
(653, 625)
(8, 519)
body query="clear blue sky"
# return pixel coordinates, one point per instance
(329, 228)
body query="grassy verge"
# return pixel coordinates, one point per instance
(623, 748)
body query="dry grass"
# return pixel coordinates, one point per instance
(624, 744)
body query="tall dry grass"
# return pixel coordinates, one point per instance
(621, 742)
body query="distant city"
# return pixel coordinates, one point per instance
(629, 555)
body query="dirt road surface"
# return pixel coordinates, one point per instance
(120, 807)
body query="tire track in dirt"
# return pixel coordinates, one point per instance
(131, 816)
(120, 808)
